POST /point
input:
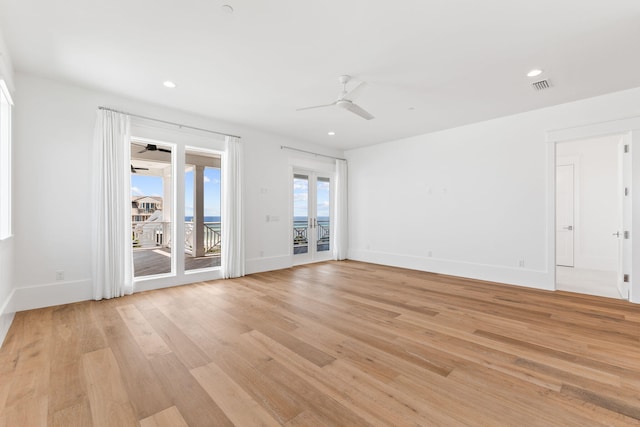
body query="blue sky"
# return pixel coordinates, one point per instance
(142, 185)
(301, 198)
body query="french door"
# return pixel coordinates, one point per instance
(311, 219)
(176, 224)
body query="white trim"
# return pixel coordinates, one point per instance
(59, 293)
(538, 279)
(634, 285)
(6, 316)
(51, 294)
(258, 265)
(6, 175)
(5, 91)
(194, 276)
(612, 127)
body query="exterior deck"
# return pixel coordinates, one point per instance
(148, 262)
(152, 247)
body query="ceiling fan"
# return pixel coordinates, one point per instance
(153, 147)
(345, 99)
(135, 169)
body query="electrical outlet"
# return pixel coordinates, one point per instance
(60, 275)
(521, 263)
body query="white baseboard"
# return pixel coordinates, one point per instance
(513, 276)
(258, 265)
(142, 285)
(47, 295)
(6, 316)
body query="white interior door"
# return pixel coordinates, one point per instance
(311, 221)
(624, 244)
(564, 215)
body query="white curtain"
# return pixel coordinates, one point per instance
(112, 252)
(232, 215)
(341, 231)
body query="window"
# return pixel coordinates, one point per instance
(5, 161)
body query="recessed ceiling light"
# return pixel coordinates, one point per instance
(332, 133)
(534, 73)
(169, 84)
(227, 8)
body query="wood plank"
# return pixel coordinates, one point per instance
(108, 398)
(242, 367)
(146, 390)
(31, 412)
(170, 417)
(180, 344)
(236, 403)
(150, 343)
(193, 402)
(76, 415)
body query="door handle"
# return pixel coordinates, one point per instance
(315, 222)
(569, 227)
(617, 234)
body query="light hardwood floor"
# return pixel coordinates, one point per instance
(337, 343)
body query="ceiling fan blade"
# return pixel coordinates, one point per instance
(318, 106)
(135, 169)
(356, 109)
(164, 150)
(354, 93)
(143, 151)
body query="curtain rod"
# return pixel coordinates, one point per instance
(284, 147)
(168, 122)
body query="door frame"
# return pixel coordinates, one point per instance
(319, 169)
(630, 129)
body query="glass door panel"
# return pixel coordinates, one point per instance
(323, 214)
(151, 208)
(202, 238)
(300, 214)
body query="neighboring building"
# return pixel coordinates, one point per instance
(142, 207)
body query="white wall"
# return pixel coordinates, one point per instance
(471, 201)
(53, 133)
(6, 246)
(596, 201)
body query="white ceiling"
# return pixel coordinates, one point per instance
(453, 61)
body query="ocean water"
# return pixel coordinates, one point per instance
(206, 219)
(322, 219)
(297, 219)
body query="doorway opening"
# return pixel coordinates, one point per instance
(158, 249)
(311, 220)
(590, 216)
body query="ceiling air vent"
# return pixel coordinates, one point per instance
(541, 84)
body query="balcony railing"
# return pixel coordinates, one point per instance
(301, 240)
(158, 234)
